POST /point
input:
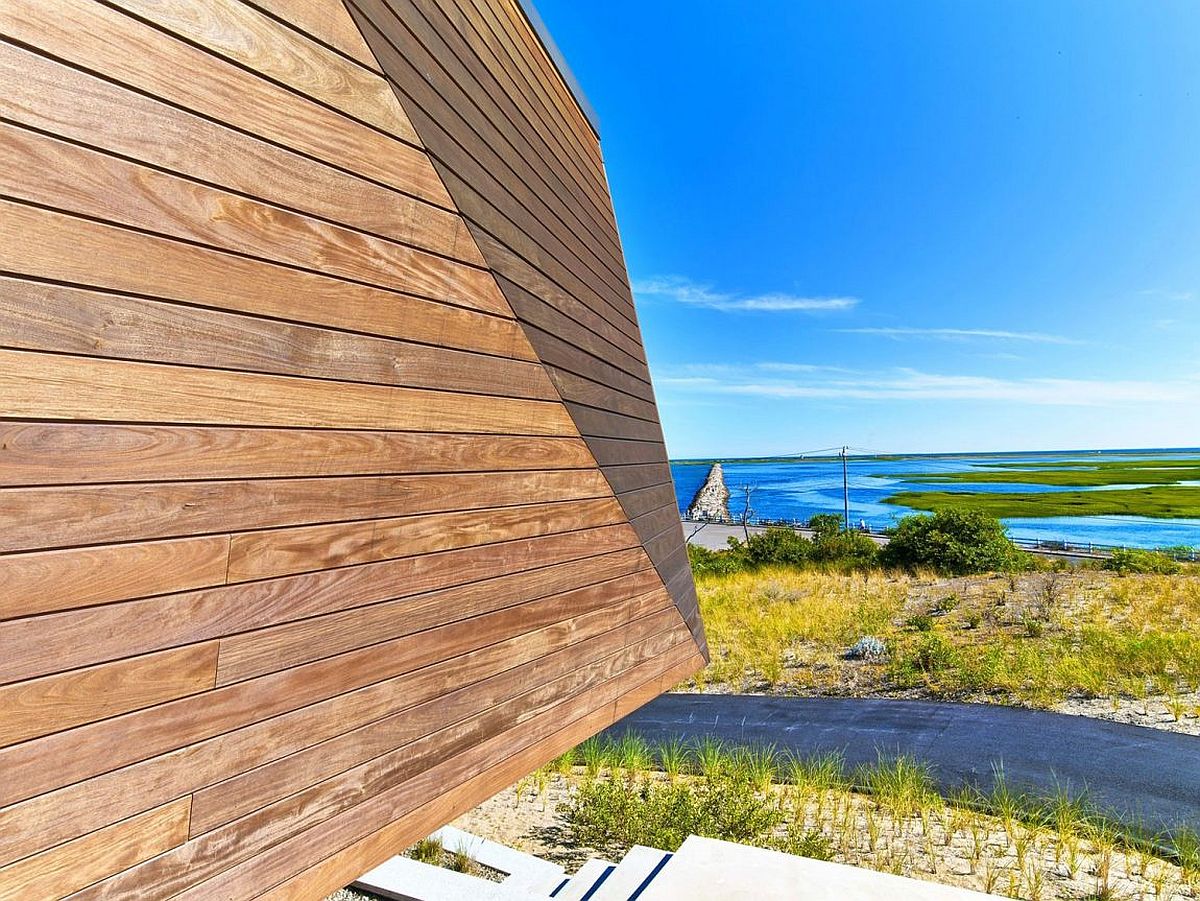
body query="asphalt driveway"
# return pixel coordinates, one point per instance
(1137, 773)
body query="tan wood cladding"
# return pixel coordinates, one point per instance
(524, 167)
(332, 493)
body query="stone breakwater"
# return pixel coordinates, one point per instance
(712, 500)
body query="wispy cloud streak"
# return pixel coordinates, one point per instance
(683, 290)
(959, 334)
(913, 385)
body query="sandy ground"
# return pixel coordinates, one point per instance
(953, 847)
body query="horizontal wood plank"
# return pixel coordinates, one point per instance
(54, 703)
(95, 514)
(87, 805)
(52, 386)
(329, 23)
(45, 581)
(67, 868)
(103, 40)
(376, 791)
(254, 654)
(49, 96)
(49, 172)
(280, 552)
(58, 247)
(532, 688)
(49, 317)
(239, 32)
(95, 634)
(49, 453)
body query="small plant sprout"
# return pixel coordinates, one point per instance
(710, 757)
(427, 850)
(673, 758)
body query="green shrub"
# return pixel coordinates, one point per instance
(953, 542)
(778, 545)
(851, 550)
(930, 655)
(1137, 561)
(920, 622)
(611, 813)
(707, 562)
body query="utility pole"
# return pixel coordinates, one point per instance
(846, 487)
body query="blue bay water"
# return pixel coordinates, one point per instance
(797, 490)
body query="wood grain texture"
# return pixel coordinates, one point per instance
(326, 22)
(95, 514)
(49, 172)
(54, 703)
(95, 802)
(239, 32)
(372, 850)
(48, 453)
(353, 803)
(123, 49)
(80, 388)
(318, 370)
(95, 634)
(60, 871)
(43, 94)
(45, 581)
(61, 319)
(280, 552)
(56, 247)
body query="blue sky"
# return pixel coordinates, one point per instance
(908, 226)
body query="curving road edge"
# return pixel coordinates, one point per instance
(1139, 774)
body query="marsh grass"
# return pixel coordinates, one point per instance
(1031, 638)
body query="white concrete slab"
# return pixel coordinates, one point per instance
(585, 879)
(630, 873)
(705, 869)
(525, 871)
(405, 879)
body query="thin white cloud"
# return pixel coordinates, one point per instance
(1164, 294)
(914, 385)
(683, 290)
(959, 334)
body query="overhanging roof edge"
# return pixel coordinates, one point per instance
(560, 63)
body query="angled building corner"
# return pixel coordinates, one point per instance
(333, 488)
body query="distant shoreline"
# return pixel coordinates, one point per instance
(941, 455)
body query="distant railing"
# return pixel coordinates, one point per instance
(1038, 545)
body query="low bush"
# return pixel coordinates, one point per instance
(952, 542)
(1154, 563)
(608, 813)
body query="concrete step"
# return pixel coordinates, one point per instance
(586, 882)
(636, 870)
(532, 874)
(404, 879)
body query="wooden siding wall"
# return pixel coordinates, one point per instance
(332, 492)
(524, 167)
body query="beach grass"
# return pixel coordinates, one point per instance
(890, 815)
(1032, 638)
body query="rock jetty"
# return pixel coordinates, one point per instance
(712, 500)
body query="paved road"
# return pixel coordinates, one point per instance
(1140, 773)
(715, 537)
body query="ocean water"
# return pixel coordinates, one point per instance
(797, 490)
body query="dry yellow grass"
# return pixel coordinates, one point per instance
(1031, 638)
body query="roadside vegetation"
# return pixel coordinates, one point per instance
(930, 616)
(889, 816)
